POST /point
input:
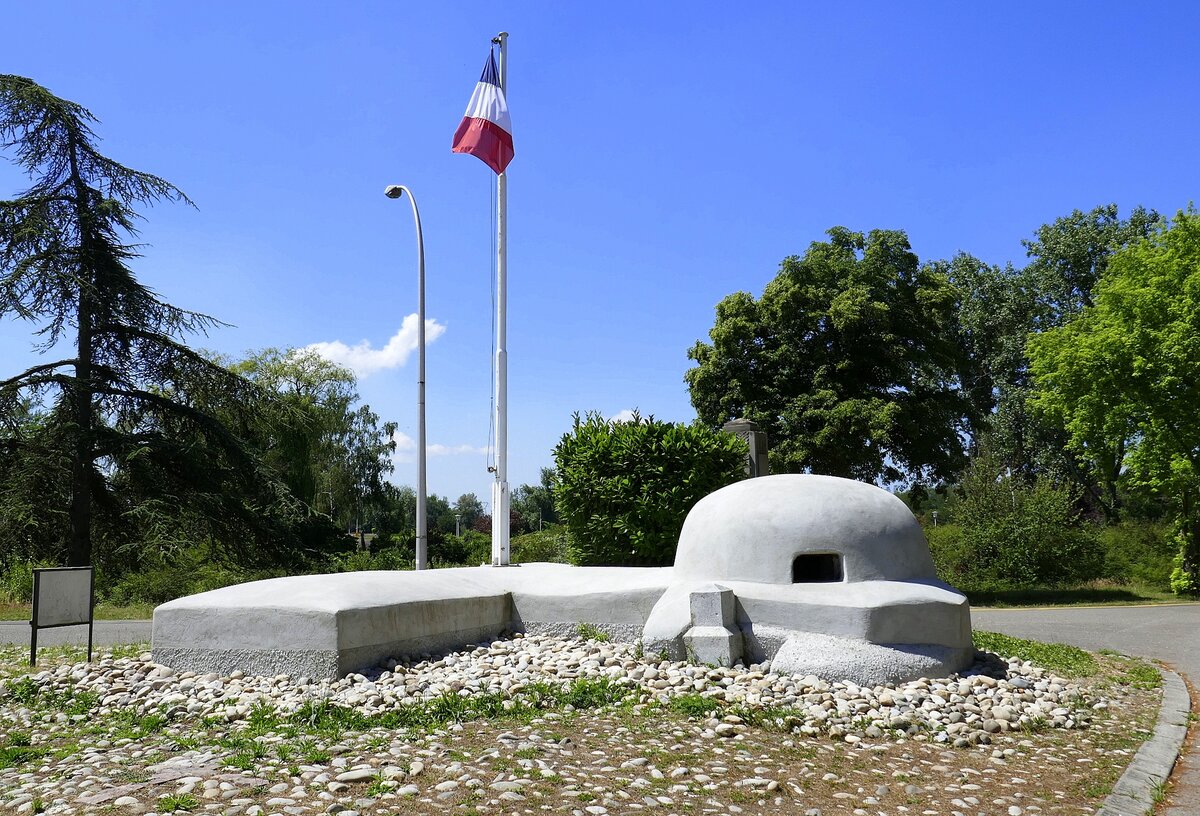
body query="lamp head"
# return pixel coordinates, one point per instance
(394, 191)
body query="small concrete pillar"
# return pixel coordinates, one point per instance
(714, 637)
(757, 460)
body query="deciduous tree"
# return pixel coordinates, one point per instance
(1124, 374)
(849, 361)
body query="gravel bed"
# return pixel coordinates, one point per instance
(124, 735)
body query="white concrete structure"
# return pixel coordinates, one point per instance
(820, 575)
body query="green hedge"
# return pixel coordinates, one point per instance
(624, 488)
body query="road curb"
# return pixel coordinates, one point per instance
(1133, 795)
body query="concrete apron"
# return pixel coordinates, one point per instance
(326, 626)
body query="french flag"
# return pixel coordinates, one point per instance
(486, 130)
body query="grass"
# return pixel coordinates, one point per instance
(1132, 671)
(1095, 593)
(693, 705)
(1060, 658)
(18, 750)
(20, 611)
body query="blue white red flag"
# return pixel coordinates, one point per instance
(486, 130)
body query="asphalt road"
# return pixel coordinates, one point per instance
(106, 633)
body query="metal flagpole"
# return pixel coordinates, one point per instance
(500, 493)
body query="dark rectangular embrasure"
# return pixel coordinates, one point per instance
(817, 568)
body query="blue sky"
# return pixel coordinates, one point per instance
(666, 156)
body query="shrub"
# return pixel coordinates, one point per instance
(162, 582)
(1183, 580)
(624, 488)
(950, 558)
(16, 584)
(471, 548)
(1139, 552)
(549, 544)
(1015, 535)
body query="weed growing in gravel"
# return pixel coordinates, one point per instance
(377, 742)
(540, 694)
(14, 660)
(131, 725)
(378, 787)
(262, 718)
(19, 750)
(1035, 725)
(1057, 657)
(28, 692)
(173, 802)
(693, 705)
(310, 753)
(589, 631)
(771, 718)
(1138, 673)
(588, 693)
(243, 761)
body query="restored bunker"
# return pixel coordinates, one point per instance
(817, 574)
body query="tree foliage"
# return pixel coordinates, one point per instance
(848, 361)
(467, 509)
(535, 503)
(1069, 256)
(1123, 376)
(331, 452)
(119, 456)
(624, 488)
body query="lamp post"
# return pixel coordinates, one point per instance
(458, 524)
(396, 191)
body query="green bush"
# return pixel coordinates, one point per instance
(1139, 552)
(159, 583)
(1014, 535)
(470, 549)
(624, 488)
(1183, 579)
(387, 554)
(549, 544)
(16, 584)
(950, 558)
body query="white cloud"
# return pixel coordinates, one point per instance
(623, 416)
(364, 360)
(404, 442)
(406, 449)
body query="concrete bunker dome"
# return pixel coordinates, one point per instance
(800, 529)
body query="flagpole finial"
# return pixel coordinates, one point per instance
(499, 38)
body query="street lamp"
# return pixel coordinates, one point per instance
(396, 191)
